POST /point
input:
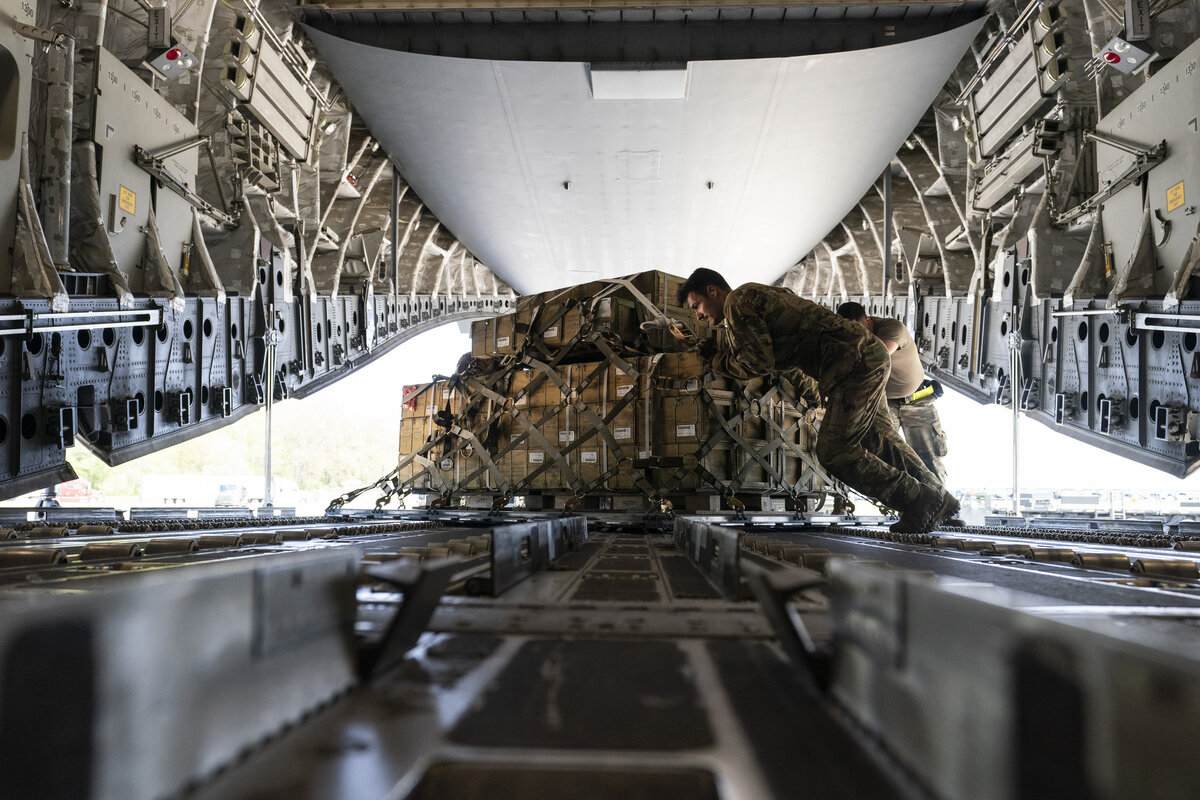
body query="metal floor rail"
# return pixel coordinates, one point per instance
(536, 655)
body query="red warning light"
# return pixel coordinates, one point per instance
(174, 53)
(1112, 58)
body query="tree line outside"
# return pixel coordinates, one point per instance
(318, 445)
(342, 437)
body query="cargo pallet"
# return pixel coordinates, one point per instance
(591, 398)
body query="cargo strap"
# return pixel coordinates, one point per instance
(602, 345)
(532, 430)
(659, 316)
(537, 331)
(491, 466)
(752, 451)
(599, 426)
(470, 428)
(785, 438)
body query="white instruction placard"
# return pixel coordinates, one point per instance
(685, 431)
(589, 457)
(537, 457)
(622, 433)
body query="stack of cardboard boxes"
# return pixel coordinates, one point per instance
(667, 425)
(617, 309)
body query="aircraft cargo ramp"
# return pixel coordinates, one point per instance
(459, 654)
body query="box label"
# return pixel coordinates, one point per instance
(447, 394)
(502, 341)
(622, 433)
(624, 390)
(566, 436)
(589, 457)
(685, 431)
(551, 332)
(1175, 196)
(537, 457)
(693, 385)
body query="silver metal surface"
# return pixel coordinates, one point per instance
(190, 665)
(778, 155)
(128, 113)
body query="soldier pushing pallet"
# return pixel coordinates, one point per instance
(769, 330)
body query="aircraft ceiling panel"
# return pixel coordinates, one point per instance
(549, 186)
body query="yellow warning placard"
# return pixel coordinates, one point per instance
(1175, 196)
(127, 200)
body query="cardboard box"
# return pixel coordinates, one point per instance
(511, 330)
(411, 433)
(549, 478)
(442, 397)
(625, 430)
(483, 337)
(547, 395)
(415, 401)
(589, 378)
(588, 460)
(620, 384)
(513, 464)
(519, 390)
(617, 315)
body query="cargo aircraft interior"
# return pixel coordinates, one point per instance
(598, 569)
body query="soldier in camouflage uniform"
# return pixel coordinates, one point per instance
(910, 395)
(770, 330)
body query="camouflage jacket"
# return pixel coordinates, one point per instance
(770, 330)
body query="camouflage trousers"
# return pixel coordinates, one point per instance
(922, 429)
(857, 442)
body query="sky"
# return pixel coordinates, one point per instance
(980, 439)
(979, 435)
(377, 387)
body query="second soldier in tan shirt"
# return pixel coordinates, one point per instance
(910, 394)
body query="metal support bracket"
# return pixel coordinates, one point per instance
(422, 586)
(774, 590)
(523, 548)
(715, 550)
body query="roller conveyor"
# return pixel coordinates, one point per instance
(537, 655)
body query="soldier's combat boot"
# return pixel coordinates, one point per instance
(914, 519)
(945, 512)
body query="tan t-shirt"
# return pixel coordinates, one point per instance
(907, 370)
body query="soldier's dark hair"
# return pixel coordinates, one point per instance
(852, 311)
(698, 281)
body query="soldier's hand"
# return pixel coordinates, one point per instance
(707, 348)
